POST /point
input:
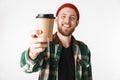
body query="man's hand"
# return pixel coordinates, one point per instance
(37, 44)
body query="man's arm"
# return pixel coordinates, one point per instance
(29, 65)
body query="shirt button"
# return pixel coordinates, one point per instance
(53, 65)
(56, 59)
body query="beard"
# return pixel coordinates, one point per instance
(66, 32)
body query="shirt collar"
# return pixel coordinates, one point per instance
(56, 40)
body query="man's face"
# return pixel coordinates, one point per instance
(67, 21)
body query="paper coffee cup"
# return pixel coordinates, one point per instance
(45, 22)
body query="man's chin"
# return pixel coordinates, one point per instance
(66, 34)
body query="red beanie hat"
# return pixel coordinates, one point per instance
(70, 6)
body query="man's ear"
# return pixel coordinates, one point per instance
(56, 19)
(77, 23)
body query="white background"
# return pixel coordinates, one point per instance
(99, 28)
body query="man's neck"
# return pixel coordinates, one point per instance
(65, 40)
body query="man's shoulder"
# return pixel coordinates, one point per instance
(83, 46)
(81, 43)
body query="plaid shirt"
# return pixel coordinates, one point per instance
(47, 61)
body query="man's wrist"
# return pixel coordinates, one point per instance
(32, 55)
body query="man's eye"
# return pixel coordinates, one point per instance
(62, 17)
(73, 18)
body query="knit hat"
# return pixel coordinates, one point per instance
(70, 6)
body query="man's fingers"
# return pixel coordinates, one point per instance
(36, 33)
(39, 40)
(43, 45)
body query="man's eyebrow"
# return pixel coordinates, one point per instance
(62, 14)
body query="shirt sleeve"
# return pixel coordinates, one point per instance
(86, 62)
(29, 65)
(89, 68)
(86, 68)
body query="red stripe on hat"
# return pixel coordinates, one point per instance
(70, 6)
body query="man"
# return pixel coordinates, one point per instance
(69, 59)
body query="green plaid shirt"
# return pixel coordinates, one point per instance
(47, 62)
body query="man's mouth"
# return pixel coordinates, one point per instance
(66, 26)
